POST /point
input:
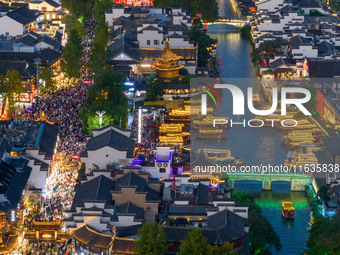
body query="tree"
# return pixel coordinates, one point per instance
(99, 54)
(106, 94)
(155, 92)
(256, 57)
(151, 240)
(11, 88)
(246, 32)
(93, 121)
(324, 236)
(72, 55)
(323, 193)
(202, 39)
(79, 8)
(243, 197)
(334, 5)
(195, 244)
(262, 236)
(228, 249)
(72, 22)
(46, 74)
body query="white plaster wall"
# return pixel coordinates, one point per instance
(150, 35)
(99, 157)
(10, 26)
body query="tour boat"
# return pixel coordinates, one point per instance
(214, 134)
(288, 211)
(208, 123)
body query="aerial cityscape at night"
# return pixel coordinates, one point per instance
(150, 127)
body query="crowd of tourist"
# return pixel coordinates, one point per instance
(90, 26)
(62, 107)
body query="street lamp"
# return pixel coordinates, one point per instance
(37, 62)
(100, 115)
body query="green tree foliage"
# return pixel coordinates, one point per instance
(195, 244)
(11, 88)
(72, 22)
(72, 55)
(266, 49)
(323, 194)
(183, 71)
(106, 94)
(246, 32)
(228, 249)
(334, 5)
(93, 122)
(100, 7)
(262, 236)
(272, 47)
(208, 8)
(151, 240)
(99, 55)
(46, 74)
(79, 8)
(198, 36)
(155, 92)
(324, 236)
(256, 57)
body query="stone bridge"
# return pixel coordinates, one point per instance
(298, 181)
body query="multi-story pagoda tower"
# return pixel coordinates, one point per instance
(166, 66)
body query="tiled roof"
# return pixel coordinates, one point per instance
(123, 246)
(20, 66)
(12, 182)
(48, 56)
(332, 143)
(50, 41)
(133, 180)
(52, 3)
(296, 41)
(92, 238)
(48, 139)
(23, 15)
(113, 139)
(94, 190)
(129, 209)
(324, 68)
(224, 226)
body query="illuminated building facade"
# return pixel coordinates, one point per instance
(135, 2)
(326, 110)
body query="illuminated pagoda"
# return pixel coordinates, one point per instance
(167, 67)
(8, 235)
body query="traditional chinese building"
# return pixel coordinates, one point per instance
(8, 235)
(326, 110)
(166, 66)
(135, 2)
(46, 232)
(91, 241)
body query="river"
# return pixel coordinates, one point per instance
(257, 146)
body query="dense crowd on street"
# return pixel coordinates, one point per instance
(62, 107)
